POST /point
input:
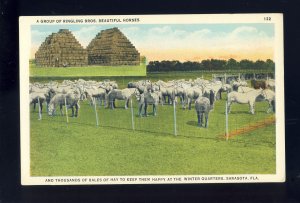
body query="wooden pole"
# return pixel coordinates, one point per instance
(175, 130)
(40, 111)
(226, 120)
(66, 109)
(95, 107)
(132, 115)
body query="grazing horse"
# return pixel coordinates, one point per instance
(95, 93)
(203, 107)
(270, 84)
(192, 93)
(148, 98)
(37, 97)
(124, 94)
(225, 88)
(71, 100)
(269, 96)
(243, 98)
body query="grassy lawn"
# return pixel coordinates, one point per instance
(113, 148)
(87, 71)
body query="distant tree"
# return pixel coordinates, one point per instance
(232, 64)
(246, 64)
(259, 64)
(217, 64)
(270, 64)
(208, 64)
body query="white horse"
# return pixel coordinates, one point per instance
(270, 84)
(93, 93)
(243, 89)
(269, 96)
(71, 99)
(243, 98)
(124, 94)
(192, 93)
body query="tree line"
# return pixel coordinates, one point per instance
(210, 64)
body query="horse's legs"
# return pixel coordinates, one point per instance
(61, 111)
(41, 106)
(76, 110)
(206, 119)
(273, 105)
(114, 103)
(72, 111)
(34, 106)
(251, 104)
(201, 118)
(104, 102)
(126, 103)
(269, 107)
(198, 117)
(228, 106)
(140, 109)
(190, 103)
(111, 104)
(146, 105)
(154, 109)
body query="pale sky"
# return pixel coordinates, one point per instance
(183, 42)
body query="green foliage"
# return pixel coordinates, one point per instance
(210, 64)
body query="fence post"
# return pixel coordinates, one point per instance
(175, 128)
(40, 113)
(226, 120)
(94, 100)
(66, 109)
(132, 114)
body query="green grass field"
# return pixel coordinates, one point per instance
(87, 71)
(113, 148)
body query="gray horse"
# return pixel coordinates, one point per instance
(203, 105)
(124, 94)
(71, 99)
(148, 98)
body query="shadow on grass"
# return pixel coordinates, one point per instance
(180, 135)
(192, 123)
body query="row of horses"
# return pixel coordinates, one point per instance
(203, 92)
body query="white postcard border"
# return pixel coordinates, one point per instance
(25, 42)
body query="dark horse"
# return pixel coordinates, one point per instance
(256, 84)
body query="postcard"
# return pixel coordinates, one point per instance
(152, 99)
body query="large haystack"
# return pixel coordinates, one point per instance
(111, 47)
(61, 50)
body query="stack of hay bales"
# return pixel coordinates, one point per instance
(111, 47)
(61, 49)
